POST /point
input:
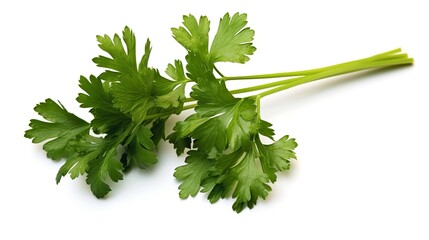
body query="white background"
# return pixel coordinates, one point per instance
(363, 159)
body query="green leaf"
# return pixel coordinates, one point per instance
(197, 168)
(141, 151)
(102, 169)
(107, 119)
(225, 127)
(265, 129)
(198, 68)
(97, 157)
(140, 156)
(96, 95)
(61, 127)
(179, 143)
(180, 138)
(145, 58)
(276, 157)
(185, 128)
(132, 86)
(220, 184)
(239, 174)
(211, 136)
(251, 183)
(241, 123)
(105, 122)
(171, 94)
(158, 130)
(76, 165)
(173, 99)
(121, 60)
(232, 42)
(176, 72)
(133, 96)
(163, 85)
(195, 35)
(213, 98)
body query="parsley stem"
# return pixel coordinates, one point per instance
(258, 107)
(189, 99)
(379, 61)
(380, 56)
(286, 84)
(190, 106)
(218, 72)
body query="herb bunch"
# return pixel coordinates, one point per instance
(131, 102)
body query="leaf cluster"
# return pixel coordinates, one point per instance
(123, 132)
(223, 138)
(130, 103)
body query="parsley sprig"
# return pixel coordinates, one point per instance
(131, 102)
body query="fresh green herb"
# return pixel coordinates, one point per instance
(130, 103)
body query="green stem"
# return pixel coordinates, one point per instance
(258, 106)
(218, 72)
(286, 84)
(190, 106)
(380, 56)
(398, 59)
(188, 100)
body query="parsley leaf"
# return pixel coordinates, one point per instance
(61, 128)
(249, 180)
(141, 151)
(107, 119)
(171, 94)
(77, 164)
(244, 173)
(194, 36)
(276, 157)
(122, 61)
(232, 42)
(100, 169)
(197, 168)
(133, 96)
(176, 72)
